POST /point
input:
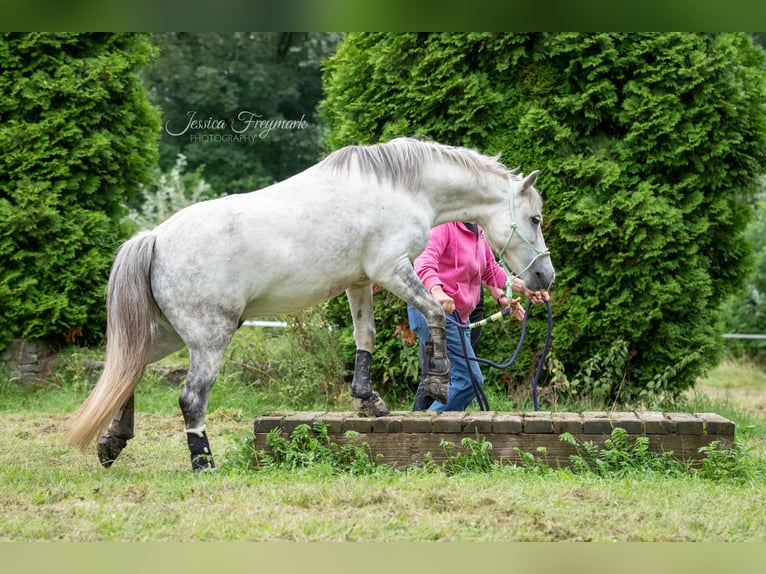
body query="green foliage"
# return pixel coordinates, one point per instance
(168, 193)
(475, 457)
(276, 76)
(298, 367)
(646, 143)
(737, 464)
(620, 456)
(311, 447)
(78, 136)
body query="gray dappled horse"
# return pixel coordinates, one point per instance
(358, 217)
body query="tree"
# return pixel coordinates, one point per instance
(645, 144)
(78, 136)
(225, 83)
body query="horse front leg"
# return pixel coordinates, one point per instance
(437, 378)
(404, 283)
(118, 434)
(360, 302)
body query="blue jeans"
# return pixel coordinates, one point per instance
(460, 389)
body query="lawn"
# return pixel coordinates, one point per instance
(52, 492)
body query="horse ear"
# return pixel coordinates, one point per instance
(529, 181)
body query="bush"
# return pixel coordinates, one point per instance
(78, 136)
(168, 193)
(645, 142)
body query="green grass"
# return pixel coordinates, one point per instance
(52, 492)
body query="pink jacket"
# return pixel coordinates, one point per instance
(457, 260)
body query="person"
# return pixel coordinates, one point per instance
(455, 264)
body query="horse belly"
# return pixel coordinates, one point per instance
(246, 278)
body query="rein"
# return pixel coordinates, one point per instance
(481, 397)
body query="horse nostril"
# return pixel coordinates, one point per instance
(545, 280)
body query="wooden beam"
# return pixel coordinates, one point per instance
(403, 437)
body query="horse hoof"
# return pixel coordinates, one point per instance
(437, 390)
(109, 448)
(202, 463)
(373, 406)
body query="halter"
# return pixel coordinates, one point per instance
(514, 229)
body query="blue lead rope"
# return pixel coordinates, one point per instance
(481, 396)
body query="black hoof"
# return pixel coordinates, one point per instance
(373, 406)
(437, 389)
(202, 463)
(109, 448)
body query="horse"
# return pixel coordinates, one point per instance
(356, 218)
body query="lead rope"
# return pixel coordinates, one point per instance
(481, 396)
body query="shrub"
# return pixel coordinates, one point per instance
(78, 137)
(645, 141)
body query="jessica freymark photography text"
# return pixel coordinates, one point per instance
(247, 127)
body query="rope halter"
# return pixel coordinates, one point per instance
(514, 230)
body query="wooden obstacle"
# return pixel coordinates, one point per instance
(403, 438)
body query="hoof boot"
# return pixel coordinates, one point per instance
(437, 390)
(109, 448)
(373, 406)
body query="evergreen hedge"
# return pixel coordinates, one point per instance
(78, 136)
(645, 142)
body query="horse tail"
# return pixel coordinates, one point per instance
(130, 333)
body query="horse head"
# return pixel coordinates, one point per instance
(517, 234)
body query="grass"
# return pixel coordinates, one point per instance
(51, 492)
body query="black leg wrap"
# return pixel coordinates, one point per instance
(109, 448)
(361, 386)
(199, 447)
(436, 381)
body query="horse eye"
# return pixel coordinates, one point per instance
(536, 219)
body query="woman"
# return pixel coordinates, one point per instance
(455, 263)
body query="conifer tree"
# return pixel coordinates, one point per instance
(78, 135)
(645, 142)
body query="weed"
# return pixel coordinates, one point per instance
(621, 456)
(534, 464)
(311, 447)
(242, 458)
(730, 464)
(476, 457)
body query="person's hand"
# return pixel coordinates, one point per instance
(537, 296)
(514, 305)
(517, 310)
(447, 302)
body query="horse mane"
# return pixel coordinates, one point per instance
(403, 160)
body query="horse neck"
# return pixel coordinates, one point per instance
(458, 195)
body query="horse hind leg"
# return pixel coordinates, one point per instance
(120, 430)
(203, 370)
(118, 434)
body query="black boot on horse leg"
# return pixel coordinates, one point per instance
(361, 387)
(436, 381)
(116, 437)
(199, 447)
